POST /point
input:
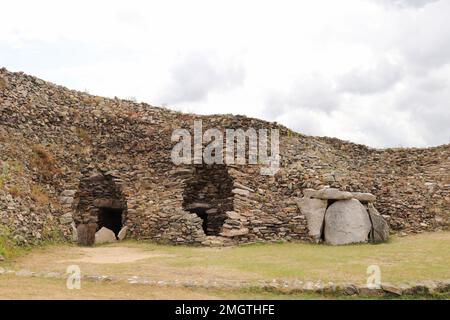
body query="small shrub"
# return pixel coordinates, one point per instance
(43, 154)
(52, 234)
(3, 174)
(10, 172)
(14, 191)
(44, 161)
(3, 84)
(84, 135)
(39, 195)
(8, 247)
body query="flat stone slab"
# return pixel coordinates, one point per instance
(108, 203)
(329, 194)
(234, 232)
(380, 228)
(314, 211)
(392, 289)
(364, 197)
(241, 192)
(122, 233)
(66, 218)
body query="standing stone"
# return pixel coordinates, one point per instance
(74, 232)
(347, 221)
(380, 228)
(86, 234)
(314, 211)
(104, 235)
(122, 233)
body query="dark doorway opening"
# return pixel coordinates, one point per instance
(201, 213)
(208, 195)
(110, 218)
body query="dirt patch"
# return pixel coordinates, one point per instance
(113, 255)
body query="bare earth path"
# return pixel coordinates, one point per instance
(410, 259)
(113, 255)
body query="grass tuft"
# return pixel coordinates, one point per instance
(3, 84)
(39, 195)
(44, 162)
(8, 246)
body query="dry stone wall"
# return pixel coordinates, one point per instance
(52, 139)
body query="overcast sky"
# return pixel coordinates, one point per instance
(375, 72)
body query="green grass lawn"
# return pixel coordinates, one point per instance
(12, 287)
(407, 259)
(413, 258)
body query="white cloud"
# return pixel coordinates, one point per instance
(311, 94)
(199, 74)
(373, 79)
(404, 3)
(369, 73)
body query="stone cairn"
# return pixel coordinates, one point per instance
(66, 156)
(340, 217)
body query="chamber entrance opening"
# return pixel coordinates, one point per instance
(201, 213)
(110, 218)
(101, 203)
(208, 195)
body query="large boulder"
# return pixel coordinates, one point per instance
(347, 221)
(104, 235)
(380, 228)
(314, 211)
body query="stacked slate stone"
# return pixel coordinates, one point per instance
(208, 194)
(52, 139)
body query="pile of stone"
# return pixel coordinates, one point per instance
(340, 217)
